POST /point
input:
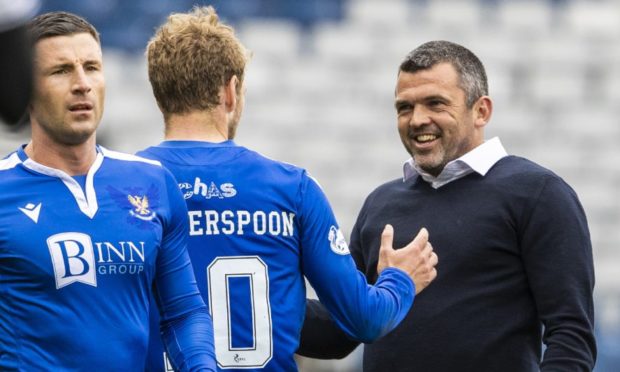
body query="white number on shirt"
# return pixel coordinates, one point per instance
(221, 270)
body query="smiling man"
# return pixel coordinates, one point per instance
(437, 122)
(516, 268)
(75, 292)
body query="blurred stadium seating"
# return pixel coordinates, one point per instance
(320, 92)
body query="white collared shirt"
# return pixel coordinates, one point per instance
(478, 160)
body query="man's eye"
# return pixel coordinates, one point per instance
(403, 108)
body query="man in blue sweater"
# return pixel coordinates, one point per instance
(516, 268)
(258, 226)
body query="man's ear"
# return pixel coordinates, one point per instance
(482, 110)
(230, 94)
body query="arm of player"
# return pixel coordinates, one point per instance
(557, 256)
(186, 326)
(322, 339)
(364, 312)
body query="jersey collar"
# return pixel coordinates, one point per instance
(193, 144)
(87, 198)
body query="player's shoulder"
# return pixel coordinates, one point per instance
(129, 159)
(123, 164)
(129, 163)
(274, 165)
(11, 174)
(10, 162)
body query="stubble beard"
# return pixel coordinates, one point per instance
(69, 136)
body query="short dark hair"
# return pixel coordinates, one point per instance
(59, 24)
(472, 76)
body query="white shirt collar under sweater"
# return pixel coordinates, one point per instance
(478, 160)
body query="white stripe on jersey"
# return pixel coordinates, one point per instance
(128, 157)
(10, 162)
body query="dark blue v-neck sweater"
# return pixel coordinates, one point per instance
(514, 255)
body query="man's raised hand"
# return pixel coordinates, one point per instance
(417, 258)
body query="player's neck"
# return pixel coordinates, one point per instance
(207, 126)
(73, 160)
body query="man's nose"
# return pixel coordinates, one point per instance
(81, 81)
(420, 116)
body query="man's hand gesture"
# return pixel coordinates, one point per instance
(417, 258)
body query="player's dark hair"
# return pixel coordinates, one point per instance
(59, 24)
(472, 76)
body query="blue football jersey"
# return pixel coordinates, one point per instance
(78, 266)
(256, 228)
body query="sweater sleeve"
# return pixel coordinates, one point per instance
(320, 336)
(557, 256)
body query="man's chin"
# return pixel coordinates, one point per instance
(431, 167)
(75, 138)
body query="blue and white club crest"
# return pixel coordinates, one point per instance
(141, 204)
(141, 207)
(337, 242)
